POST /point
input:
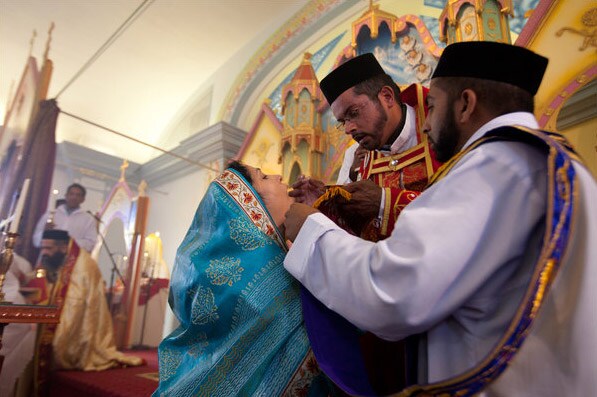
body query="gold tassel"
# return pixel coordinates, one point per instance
(330, 193)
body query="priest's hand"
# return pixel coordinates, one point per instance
(295, 217)
(307, 190)
(365, 200)
(359, 156)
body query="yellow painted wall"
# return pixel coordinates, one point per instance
(568, 64)
(342, 24)
(583, 138)
(566, 60)
(264, 149)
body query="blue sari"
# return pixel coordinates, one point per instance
(241, 329)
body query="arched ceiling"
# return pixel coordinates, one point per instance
(137, 85)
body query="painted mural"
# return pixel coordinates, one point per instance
(407, 60)
(407, 46)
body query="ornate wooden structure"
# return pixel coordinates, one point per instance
(475, 20)
(123, 207)
(302, 137)
(10, 313)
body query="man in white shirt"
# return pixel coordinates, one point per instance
(79, 224)
(493, 266)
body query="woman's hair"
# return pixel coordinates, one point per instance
(242, 169)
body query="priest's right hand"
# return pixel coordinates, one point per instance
(306, 190)
(365, 199)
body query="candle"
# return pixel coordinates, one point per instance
(155, 246)
(14, 225)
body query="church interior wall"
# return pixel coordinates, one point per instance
(216, 88)
(334, 26)
(561, 47)
(577, 120)
(171, 209)
(290, 57)
(263, 149)
(562, 35)
(96, 171)
(64, 176)
(326, 45)
(560, 32)
(584, 135)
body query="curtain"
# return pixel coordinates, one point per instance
(35, 160)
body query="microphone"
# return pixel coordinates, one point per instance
(97, 218)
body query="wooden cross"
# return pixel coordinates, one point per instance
(49, 40)
(32, 41)
(123, 168)
(142, 187)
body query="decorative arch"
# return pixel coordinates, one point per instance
(548, 116)
(295, 172)
(467, 28)
(290, 110)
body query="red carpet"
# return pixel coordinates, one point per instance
(119, 382)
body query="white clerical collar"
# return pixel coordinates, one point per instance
(408, 137)
(524, 119)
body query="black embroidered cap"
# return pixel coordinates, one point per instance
(55, 234)
(493, 61)
(349, 74)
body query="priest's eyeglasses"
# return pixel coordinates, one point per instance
(352, 114)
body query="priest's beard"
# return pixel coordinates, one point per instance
(447, 139)
(373, 138)
(53, 262)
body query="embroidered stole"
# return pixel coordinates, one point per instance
(560, 208)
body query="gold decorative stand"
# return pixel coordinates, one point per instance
(10, 313)
(6, 259)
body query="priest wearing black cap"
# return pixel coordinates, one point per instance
(387, 124)
(492, 267)
(83, 340)
(391, 164)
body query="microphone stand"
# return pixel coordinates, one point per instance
(114, 269)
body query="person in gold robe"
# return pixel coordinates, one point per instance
(84, 339)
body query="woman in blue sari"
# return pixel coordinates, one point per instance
(241, 330)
